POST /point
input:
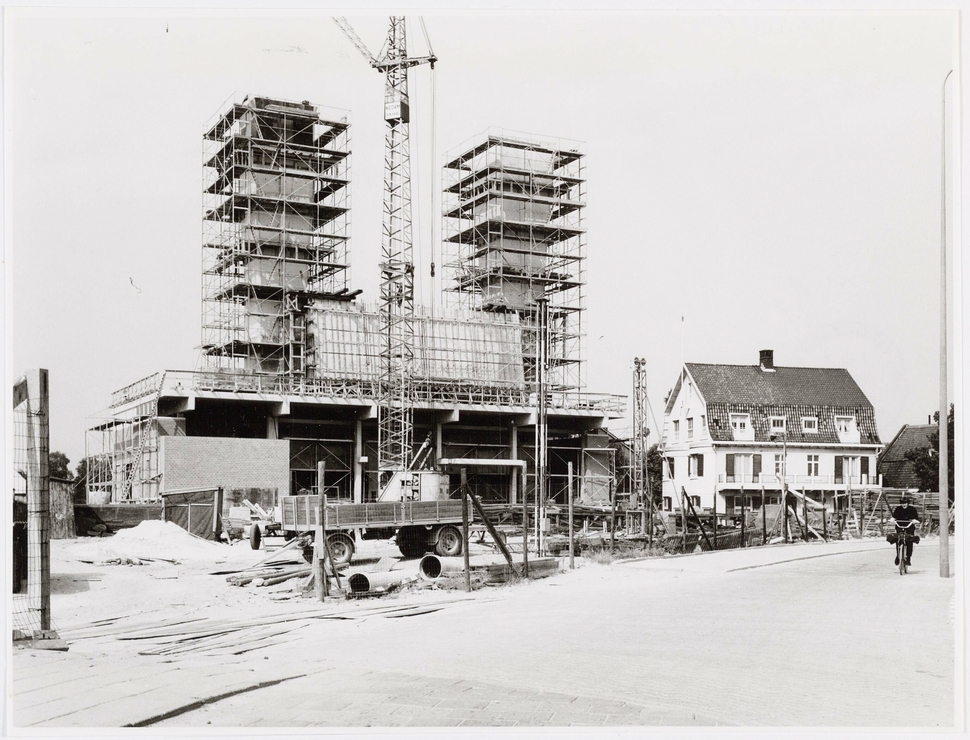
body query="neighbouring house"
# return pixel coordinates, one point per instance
(733, 432)
(895, 470)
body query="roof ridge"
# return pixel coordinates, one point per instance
(758, 367)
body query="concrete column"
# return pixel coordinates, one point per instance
(358, 469)
(514, 473)
(272, 430)
(437, 439)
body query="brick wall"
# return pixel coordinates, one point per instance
(199, 462)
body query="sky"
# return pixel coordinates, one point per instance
(757, 180)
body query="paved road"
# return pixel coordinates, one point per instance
(735, 638)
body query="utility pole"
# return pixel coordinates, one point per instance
(944, 484)
(784, 484)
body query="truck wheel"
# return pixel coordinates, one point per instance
(255, 536)
(341, 548)
(449, 542)
(411, 541)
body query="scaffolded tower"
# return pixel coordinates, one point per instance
(275, 235)
(513, 233)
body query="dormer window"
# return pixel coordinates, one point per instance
(847, 430)
(690, 429)
(676, 431)
(810, 424)
(777, 424)
(741, 426)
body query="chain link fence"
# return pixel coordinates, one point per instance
(30, 614)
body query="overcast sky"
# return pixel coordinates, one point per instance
(772, 178)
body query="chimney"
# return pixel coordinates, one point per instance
(766, 359)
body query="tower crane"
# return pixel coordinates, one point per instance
(395, 415)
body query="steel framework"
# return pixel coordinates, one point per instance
(396, 427)
(395, 414)
(638, 472)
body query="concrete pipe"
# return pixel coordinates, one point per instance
(433, 567)
(361, 583)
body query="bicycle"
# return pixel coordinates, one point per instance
(901, 538)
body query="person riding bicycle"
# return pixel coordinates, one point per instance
(906, 516)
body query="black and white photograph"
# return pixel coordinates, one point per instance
(505, 371)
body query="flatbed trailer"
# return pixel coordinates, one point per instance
(419, 526)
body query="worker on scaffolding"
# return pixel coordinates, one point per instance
(905, 517)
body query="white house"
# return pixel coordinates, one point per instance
(737, 429)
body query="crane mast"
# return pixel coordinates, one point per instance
(395, 402)
(395, 420)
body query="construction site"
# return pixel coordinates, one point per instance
(336, 458)
(307, 388)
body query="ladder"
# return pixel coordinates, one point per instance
(136, 460)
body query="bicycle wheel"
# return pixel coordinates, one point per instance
(902, 557)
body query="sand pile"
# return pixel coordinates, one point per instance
(153, 540)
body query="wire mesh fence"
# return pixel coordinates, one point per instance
(30, 613)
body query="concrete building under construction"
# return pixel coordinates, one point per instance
(291, 357)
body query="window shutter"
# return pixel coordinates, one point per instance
(700, 466)
(729, 465)
(756, 465)
(838, 469)
(864, 465)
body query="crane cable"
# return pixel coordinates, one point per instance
(434, 192)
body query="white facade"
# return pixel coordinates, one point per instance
(715, 474)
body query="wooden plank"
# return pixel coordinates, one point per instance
(499, 540)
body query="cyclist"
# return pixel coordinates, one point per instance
(906, 517)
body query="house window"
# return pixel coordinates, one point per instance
(844, 424)
(809, 424)
(777, 423)
(813, 465)
(779, 464)
(740, 422)
(696, 500)
(676, 431)
(742, 468)
(668, 503)
(695, 466)
(690, 429)
(703, 424)
(670, 468)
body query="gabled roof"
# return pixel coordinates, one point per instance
(896, 470)
(786, 386)
(790, 392)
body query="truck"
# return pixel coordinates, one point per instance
(414, 507)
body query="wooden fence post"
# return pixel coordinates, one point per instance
(464, 527)
(38, 495)
(569, 471)
(319, 564)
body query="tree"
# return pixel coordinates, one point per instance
(926, 460)
(655, 472)
(57, 464)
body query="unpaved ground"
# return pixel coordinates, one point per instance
(730, 638)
